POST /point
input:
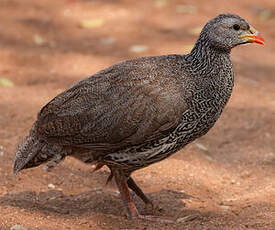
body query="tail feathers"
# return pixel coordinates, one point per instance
(26, 152)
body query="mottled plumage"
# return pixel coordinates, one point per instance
(139, 111)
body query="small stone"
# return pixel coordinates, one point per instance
(52, 186)
(1, 153)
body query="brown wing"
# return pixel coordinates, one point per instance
(127, 104)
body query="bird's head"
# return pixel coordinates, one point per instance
(228, 30)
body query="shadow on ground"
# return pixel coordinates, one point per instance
(93, 201)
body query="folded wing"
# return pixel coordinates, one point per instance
(128, 104)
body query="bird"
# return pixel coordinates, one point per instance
(139, 111)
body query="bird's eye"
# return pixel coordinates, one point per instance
(236, 27)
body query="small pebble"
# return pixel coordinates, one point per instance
(52, 186)
(1, 153)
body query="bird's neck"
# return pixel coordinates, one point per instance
(205, 57)
(212, 73)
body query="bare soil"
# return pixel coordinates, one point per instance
(224, 180)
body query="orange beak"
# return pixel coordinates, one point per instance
(255, 36)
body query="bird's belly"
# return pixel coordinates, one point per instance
(141, 156)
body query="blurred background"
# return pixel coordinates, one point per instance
(225, 180)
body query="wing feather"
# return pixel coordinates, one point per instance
(130, 103)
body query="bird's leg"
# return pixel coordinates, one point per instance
(121, 181)
(132, 185)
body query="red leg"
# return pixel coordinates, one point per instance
(132, 212)
(132, 185)
(149, 204)
(121, 182)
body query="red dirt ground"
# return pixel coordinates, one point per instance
(225, 180)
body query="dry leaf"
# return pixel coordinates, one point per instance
(92, 23)
(5, 82)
